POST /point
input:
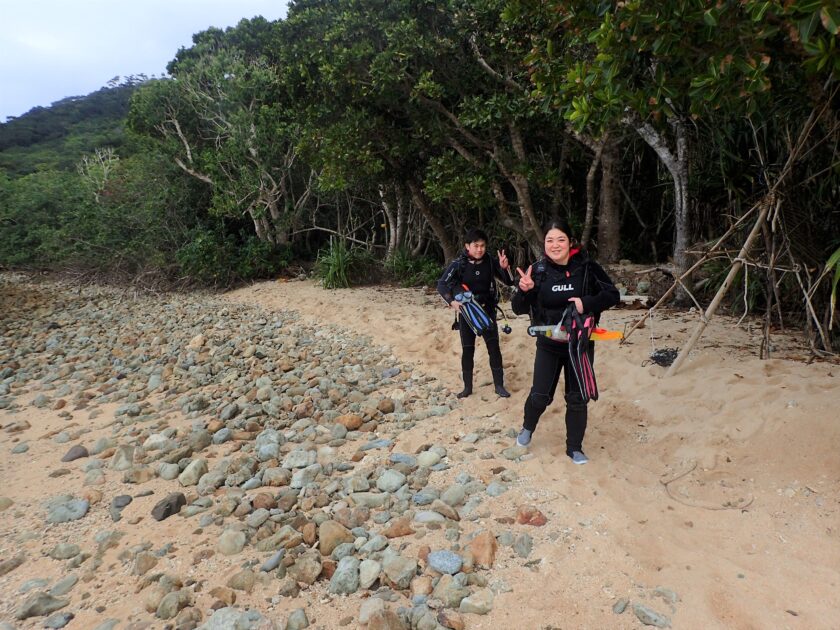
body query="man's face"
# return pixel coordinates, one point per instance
(476, 249)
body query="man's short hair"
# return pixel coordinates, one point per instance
(474, 234)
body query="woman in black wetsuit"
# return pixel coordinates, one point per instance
(478, 271)
(564, 276)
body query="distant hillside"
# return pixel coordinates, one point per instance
(55, 137)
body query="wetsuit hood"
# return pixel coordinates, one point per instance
(577, 256)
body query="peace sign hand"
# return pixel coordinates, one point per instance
(503, 259)
(526, 282)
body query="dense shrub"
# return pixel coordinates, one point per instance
(411, 271)
(340, 266)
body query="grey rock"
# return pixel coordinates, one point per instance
(523, 545)
(369, 571)
(307, 567)
(235, 619)
(454, 495)
(40, 604)
(94, 477)
(427, 459)
(377, 543)
(168, 471)
(496, 489)
(193, 472)
(257, 518)
(199, 440)
(21, 448)
(445, 562)
(449, 592)
(424, 497)
(370, 499)
(343, 550)
(209, 482)
(222, 435)
(123, 458)
(669, 596)
(172, 504)
(650, 617)
(64, 551)
(65, 508)
(403, 458)
(244, 580)
(479, 603)
(400, 570)
(108, 624)
(297, 620)
(299, 459)
(345, 580)
(32, 584)
(10, 564)
(369, 607)
(76, 452)
(229, 413)
(305, 476)
(64, 586)
(266, 452)
(58, 620)
(620, 606)
(390, 481)
(381, 443)
(101, 444)
(427, 516)
(172, 603)
(231, 542)
(514, 452)
(273, 561)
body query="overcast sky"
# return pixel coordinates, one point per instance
(50, 49)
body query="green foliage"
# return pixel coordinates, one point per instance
(53, 138)
(215, 256)
(412, 271)
(340, 266)
(834, 264)
(33, 217)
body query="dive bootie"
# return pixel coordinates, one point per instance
(499, 382)
(502, 392)
(468, 382)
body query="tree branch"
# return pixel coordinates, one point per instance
(507, 81)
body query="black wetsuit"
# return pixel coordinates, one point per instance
(553, 286)
(480, 277)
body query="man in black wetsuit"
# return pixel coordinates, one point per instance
(478, 271)
(564, 276)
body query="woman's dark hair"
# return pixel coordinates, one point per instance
(474, 234)
(558, 223)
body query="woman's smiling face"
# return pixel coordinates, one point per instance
(557, 246)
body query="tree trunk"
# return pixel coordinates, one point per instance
(609, 223)
(677, 165)
(681, 201)
(557, 193)
(590, 194)
(445, 241)
(523, 191)
(399, 192)
(391, 220)
(281, 233)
